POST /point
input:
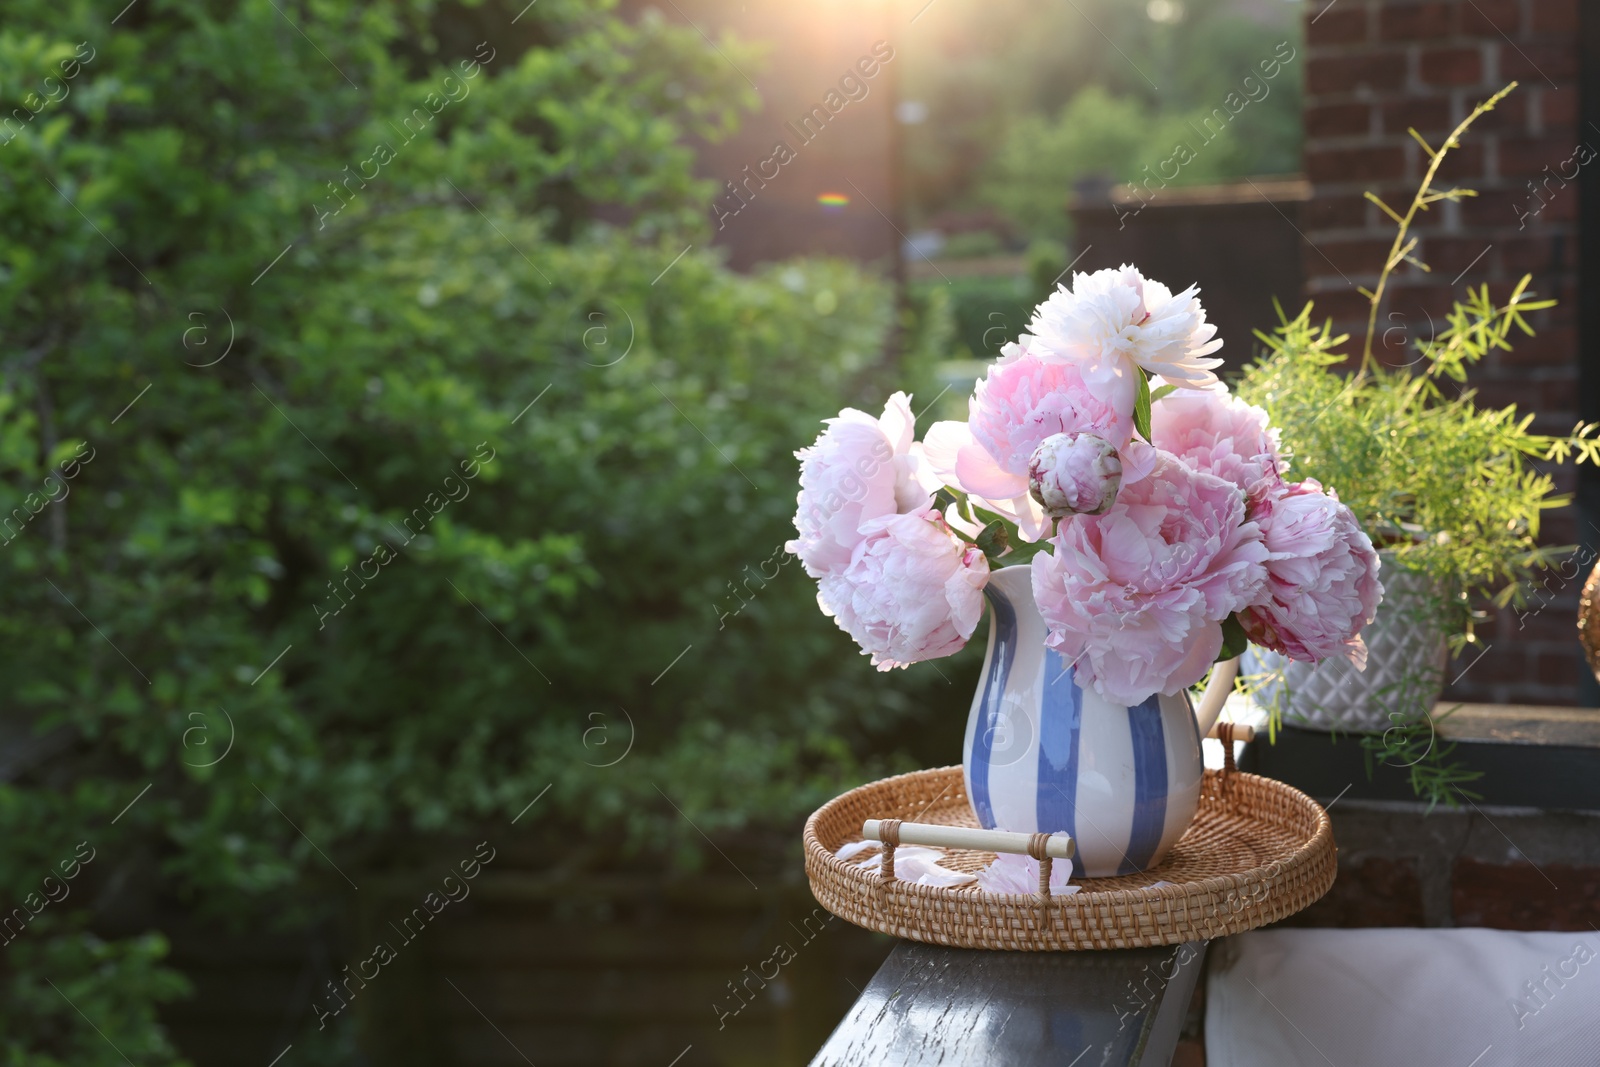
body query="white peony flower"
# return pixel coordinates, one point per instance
(1112, 321)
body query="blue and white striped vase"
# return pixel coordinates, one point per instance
(1043, 754)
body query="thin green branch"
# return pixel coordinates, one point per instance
(1426, 194)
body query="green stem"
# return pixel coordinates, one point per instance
(1419, 202)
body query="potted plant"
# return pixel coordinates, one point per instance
(1445, 488)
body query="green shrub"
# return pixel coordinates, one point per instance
(387, 518)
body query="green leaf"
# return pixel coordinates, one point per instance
(943, 498)
(1163, 391)
(1234, 639)
(993, 540)
(1141, 406)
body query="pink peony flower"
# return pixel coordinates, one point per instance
(943, 448)
(1114, 321)
(860, 469)
(913, 590)
(1216, 432)
(1075, 474)
(1322, 576)
(1023, 400)
(1136, 597)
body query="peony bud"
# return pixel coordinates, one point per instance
(1074, 474)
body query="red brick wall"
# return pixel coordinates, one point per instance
(1375, 67)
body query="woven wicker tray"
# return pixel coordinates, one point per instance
(1258, 851)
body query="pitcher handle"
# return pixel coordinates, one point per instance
(1216, 694)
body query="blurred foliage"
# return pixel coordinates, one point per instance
(988, 311)
(382, 490)
(1092, 89)
(1047, 263)
(972, 245)
(1111, 138)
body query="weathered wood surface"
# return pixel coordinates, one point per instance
(932, 1006)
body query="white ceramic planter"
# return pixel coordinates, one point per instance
(1406, 656)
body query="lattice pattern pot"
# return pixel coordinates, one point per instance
(1406, 656)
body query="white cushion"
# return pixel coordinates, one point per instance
(1422, 998)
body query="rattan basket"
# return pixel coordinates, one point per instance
(1258, 851)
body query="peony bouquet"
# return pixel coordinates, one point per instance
(1168, 533)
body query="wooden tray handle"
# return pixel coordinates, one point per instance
(1042, 847)
(893, 832)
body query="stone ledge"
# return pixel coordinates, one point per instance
(1519, 724)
